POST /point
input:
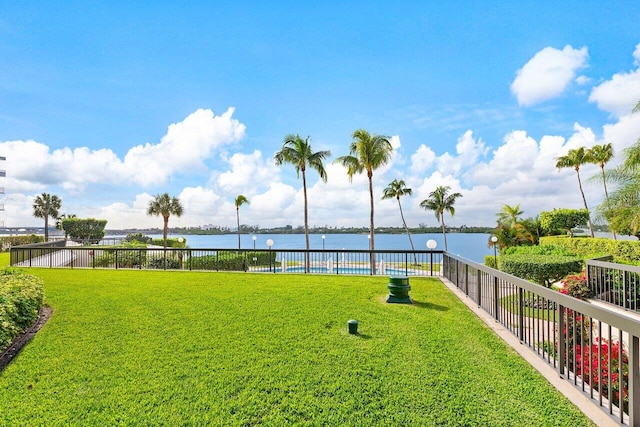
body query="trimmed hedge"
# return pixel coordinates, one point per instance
(21, 297)
(623, 251)
(7, 242)
(541, 269)
(232, 261)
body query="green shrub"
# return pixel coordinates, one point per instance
(9, 241)
(124, 258)
(160, 263)
(137, 237)
(21, 296)
(539, 250)
(623, 251)
(231, 260)
(541, 269)
(490, 261)
(171, 243)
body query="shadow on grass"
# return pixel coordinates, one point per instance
(363, 336)
(429, 305)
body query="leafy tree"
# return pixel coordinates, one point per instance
(59, 222)
(563, 219)
(298, 152)
(574, 159)
(395, 190)
(511, 235)
(367, 152)
(439, 201)
(165, 206)
(600, 155)
(45, 206)
(240, 200)
(89, 229)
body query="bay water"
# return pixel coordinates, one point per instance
(472, 246)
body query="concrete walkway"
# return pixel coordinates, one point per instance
(574, 394)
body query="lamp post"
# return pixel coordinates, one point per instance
(254, 242)
(323, 237)
(269, 245)
(494, 240)
(431, 245)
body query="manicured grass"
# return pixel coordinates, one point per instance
(187, 348)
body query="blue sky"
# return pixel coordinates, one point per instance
(107, 104)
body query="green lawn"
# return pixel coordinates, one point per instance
(187, 348)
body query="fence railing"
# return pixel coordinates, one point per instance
(617, 284)
(343, 261)
(595, 348)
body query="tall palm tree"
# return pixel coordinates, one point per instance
(441, 201)
(45, 206)
(509, 215)
(165, 206)
(367, 153)
(298, 152)
(574, 159)
(240, 200)
(600, 155)
(397, 189)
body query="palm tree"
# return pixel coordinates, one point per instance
(600, 155)
(439, 201)
(636, 109)
(396, 189)
(45, 206)
(509, 215)
(298, 152)
(574, 159)
(240, 200)
(165, 206)
(366, 153)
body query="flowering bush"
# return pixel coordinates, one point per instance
(593, 366)
(576, 286)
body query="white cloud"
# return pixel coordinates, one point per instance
(548, 74)
(621, 93)
(32, 165)
(248, 173)
(422, 159)
(468, 150)
(184, 147)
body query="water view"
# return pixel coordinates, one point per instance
(468, 245)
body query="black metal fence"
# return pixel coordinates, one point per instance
(613, 283)
(595, 348)
(390, 262)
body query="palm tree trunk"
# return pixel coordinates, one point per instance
(584, 199)
(165, 230)
(307, 264)
(415, 259)
(444, 231)
(46, 227)
(606, 195)
(238, 219)
(371, 233)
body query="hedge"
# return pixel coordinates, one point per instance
(7, 242)
(231, 260)
(541, 269)
(21, 297)
(623, 251)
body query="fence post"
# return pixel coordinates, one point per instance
(496, 303)
(561, 340)
(520, 314)
(634, 380)
(479, 280)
